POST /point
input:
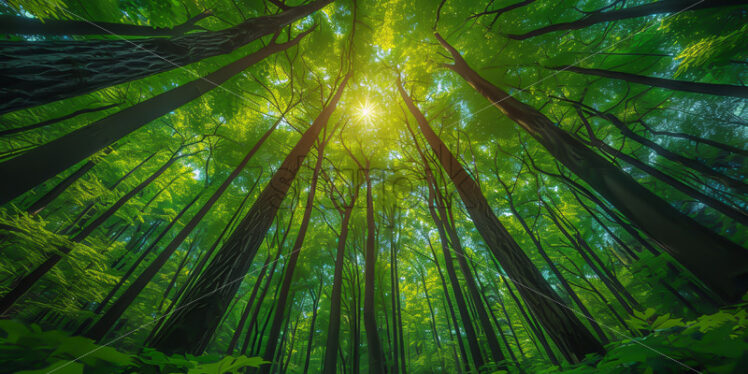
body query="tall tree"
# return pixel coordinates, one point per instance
(45, 161)
(190, 327)
(570, 335)
(600, 16)
(726, 268)
(124, 60)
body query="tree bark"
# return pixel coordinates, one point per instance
(333, 328)
(40, 72)
(189, 328)
(288, 272)
(376, 355)
(671, 84)
(20, 25)
(44, 162)
(724, 270)
(98, 330)
(570, 335)
(55, 120)
(659, 7)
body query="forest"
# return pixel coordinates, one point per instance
(351, 186)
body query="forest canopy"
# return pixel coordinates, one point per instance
(319, 186)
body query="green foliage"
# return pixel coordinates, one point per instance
(713, 343)
(29, 350)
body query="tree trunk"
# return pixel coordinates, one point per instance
(570, 335)
(376, 355)
(333, 328)
(498, 12)
(671, 84)
(40, 72)
(175, 277)
(288, 272)
(30, 279)
(663, 6)
(98, 330)
(42, 202)
(447, 223)
(569, 291)
(134, 266)
(470, 334)
(315, 306)
(698, 139)
(729, 211)
(660, 150)
(247, 308)
(189, 328)
(20, 25)
(725, 270)
(452, 313)
(54, 120)
(52, 158)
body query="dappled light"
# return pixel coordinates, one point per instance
(353, 186)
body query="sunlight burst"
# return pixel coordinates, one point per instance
(366, 111)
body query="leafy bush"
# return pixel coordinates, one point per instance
(714, 343)
(29, 350)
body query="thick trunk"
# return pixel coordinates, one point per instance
(40, 72)
(30, 279)
(288, 273)
(671, 84)
(725, 269)
(98, 330)
(333, 328)
(570, 335)
(29, 26)
(659, 7)
(189, 328)
(376, 354)
(55, 120)
(52, 158)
